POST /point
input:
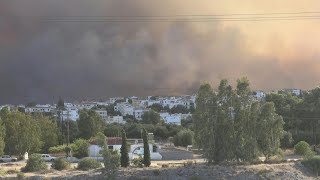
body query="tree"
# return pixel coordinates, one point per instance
(101, 139)
(23, 134)
(90, 124)
(49, 131)
(146, 150)
(113, 130)
(270, 130)
(111, 111)
(80, 148)
(187, 123)
(60, 104)
(124, 151)
(111, 162)
(156, 107)
(179, 109)
(231, 125)
(204, 120)
(245, 121)
(183, 138)
(2, 136)
(151, 117)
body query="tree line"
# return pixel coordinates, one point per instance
(231, 125)
(301, 114)
(24, 132)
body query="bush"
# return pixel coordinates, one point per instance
(137, 162)
(80, 148)
(313, 164)
(188, 163)
(21, 175)
(88, 163)
(302, 148)
(111, 159)
(156, 172)
(57, 149)
(276, 159)
(67, 150)
(60, 164)
(35, 163)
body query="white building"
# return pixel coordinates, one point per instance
(137, 103)
(163, 115)
(151, 102)
(173, 119)
(170, 102)
(114, 99)
(139, 112)
(124, 109)
(70, 113)
(259, 94)
(47, 108)
(115, 119)
(86, 105)
(296, 92)
(103, 114)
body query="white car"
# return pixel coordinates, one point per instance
(47, 157)
(7, 158)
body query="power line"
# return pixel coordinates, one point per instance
(180, 18)
(180, 15)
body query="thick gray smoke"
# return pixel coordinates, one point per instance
(76, 60)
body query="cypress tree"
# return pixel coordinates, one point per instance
(124, 151)
(146, 153)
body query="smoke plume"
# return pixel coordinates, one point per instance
(40, 61)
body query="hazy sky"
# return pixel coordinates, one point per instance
(39, 61)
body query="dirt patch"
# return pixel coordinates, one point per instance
(185, 170)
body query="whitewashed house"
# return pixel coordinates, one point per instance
(115, 119)
(114, 143)
(173, 119)
(71, 113)
(103, 114)
(124, 109)
(46, 108)
(259, 94)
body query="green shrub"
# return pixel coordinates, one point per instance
(80, 148)
(302, 148)
(137, 162)
(60, 164)
(21, 175)
(35, 163)
(313, 164)
(278, 158)
(88, 163)
(165, 165)
(57, 149)
(111, 159)
(67, 150)
(156, 172)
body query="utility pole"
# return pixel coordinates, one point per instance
(68, 128)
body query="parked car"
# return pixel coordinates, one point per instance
(47, 157)
(7, 158)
